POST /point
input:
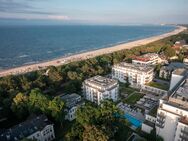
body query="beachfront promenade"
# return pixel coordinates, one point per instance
(86, 55)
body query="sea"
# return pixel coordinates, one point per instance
(22, 45)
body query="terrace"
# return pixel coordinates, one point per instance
(159, 85)
(133, 98)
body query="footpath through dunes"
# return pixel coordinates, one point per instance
(90, 54)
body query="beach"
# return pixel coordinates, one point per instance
(87, 55)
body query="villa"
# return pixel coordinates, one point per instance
(73, 102)
(147, 59)
(38, 128)
(98, 88)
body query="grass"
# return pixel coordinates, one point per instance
(158, 85)
(133, 98)
(126, 90)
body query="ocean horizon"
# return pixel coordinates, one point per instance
(22, 45)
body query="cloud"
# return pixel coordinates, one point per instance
(13, 6)
(58, 17)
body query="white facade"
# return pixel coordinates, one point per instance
(71, 113)
(46, 134)
(38, 128)
(165, 72)
(147, 59)
(73, 102)
(172, 122)
(146, 128)
(149, 124)
(98, 88)
(177, 76)
(134, 74)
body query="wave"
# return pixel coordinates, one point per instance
(23, 56)
(32, 62)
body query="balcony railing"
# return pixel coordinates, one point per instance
(184, 131)
(183, 137)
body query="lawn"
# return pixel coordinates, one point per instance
(158, 85)
(133, 98)
(126, 90)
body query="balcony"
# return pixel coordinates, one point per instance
(183, 137)
(160, 120)
(184, 131)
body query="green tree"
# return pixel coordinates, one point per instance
(19, 105)
(56, 107)
(92, 133)
(38, 101)
(169, 52)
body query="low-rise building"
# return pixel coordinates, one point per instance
(172, 116)
(147, 59)
(149, 124)
(38, 128)
(73, 102)
(178, 45)
(133, 73)
(98, 88)
(165, 72)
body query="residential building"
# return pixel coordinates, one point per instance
(149, 124)
(98, 88)
(172, 115)
(147, 59)
(73, 102)
(133, 73)
(38, 128)
(178, 45)
(166, 71)
(178, 75)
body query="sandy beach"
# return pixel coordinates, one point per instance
(86, 55)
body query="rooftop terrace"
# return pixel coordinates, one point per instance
(71, 99)
(147, 57)
(101, 81)
(180, 71)
(135, 67)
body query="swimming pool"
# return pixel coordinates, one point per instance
(137, 123)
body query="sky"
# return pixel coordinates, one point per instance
(115, 12)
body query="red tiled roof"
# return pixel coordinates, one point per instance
(145, 59)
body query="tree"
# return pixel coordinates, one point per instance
(38, 101)
(56, 107)
(19, 105)
(92, 133)
(169, 52)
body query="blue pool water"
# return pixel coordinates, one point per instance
(137, 123)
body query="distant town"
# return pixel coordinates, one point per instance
(137, 94)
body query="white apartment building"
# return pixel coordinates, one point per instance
(73, 102)
(38, 128)
(98, 88)
(177, 76)
(147, 59)
(149, 124)
(172, 116)
(132, 73)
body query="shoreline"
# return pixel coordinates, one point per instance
(88, 54)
